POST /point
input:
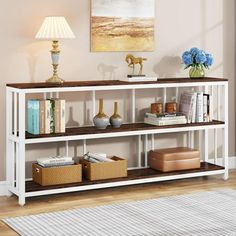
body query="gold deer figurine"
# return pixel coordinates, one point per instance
(131, 60)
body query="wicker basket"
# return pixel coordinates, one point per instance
(46, 176)
(104, 170)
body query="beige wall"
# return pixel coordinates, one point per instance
(180, 24)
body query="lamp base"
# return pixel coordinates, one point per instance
(55, 80)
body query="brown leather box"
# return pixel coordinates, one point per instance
(174, 159)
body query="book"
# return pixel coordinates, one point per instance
(44, 121)
(186, 105)
(194, 107)
(52, 116)
(63, 116)
(211, 108)
(154, 121)
(205, 107)
(141, 79)
(55, 159)
(42, 116)
(199, 107)
(46, 116)
(166, 116)
(96, 157)
(29, 116)
(59, 116)
(64, 163)
(33, 116)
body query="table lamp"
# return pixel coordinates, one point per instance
(55, 28)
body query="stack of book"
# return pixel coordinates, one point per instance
(55, 161)
(46, 116)
(165, 119)
(141, 78)
(197, 106)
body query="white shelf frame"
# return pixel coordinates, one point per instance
(16, 141)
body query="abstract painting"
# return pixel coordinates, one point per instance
(122, 25)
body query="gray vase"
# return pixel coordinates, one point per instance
(101, 121)
(116, 120)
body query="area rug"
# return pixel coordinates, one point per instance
(204, 214)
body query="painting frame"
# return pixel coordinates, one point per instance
(122, 26)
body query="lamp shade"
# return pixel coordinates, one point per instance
(54, 28)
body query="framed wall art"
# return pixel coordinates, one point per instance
(122, 25)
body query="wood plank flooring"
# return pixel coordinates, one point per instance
(9, 206)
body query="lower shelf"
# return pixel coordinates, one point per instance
(137, 176)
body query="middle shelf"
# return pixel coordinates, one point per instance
(91, 132)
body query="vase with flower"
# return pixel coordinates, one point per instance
(198, 60)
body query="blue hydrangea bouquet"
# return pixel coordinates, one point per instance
(198, 60)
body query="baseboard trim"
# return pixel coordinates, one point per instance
(3, 188)
(232, 165)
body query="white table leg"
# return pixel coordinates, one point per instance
(225, 153)
(9, 144)
(21, 149)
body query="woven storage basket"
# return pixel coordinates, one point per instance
(104, 170)
(56, 175)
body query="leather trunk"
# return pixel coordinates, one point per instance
(174, 159)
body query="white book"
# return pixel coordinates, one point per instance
(44, 121)
(63, 116)
(152, 121)
(171, 117)
(98, 157)
(65, 163)
(93, 160)
(199, 107)
(194, 107)
(59, 115)
(42, 114)
(141, 79)
(47, 116)
(205, 108)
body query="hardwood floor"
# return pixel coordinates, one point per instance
(9, 206)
